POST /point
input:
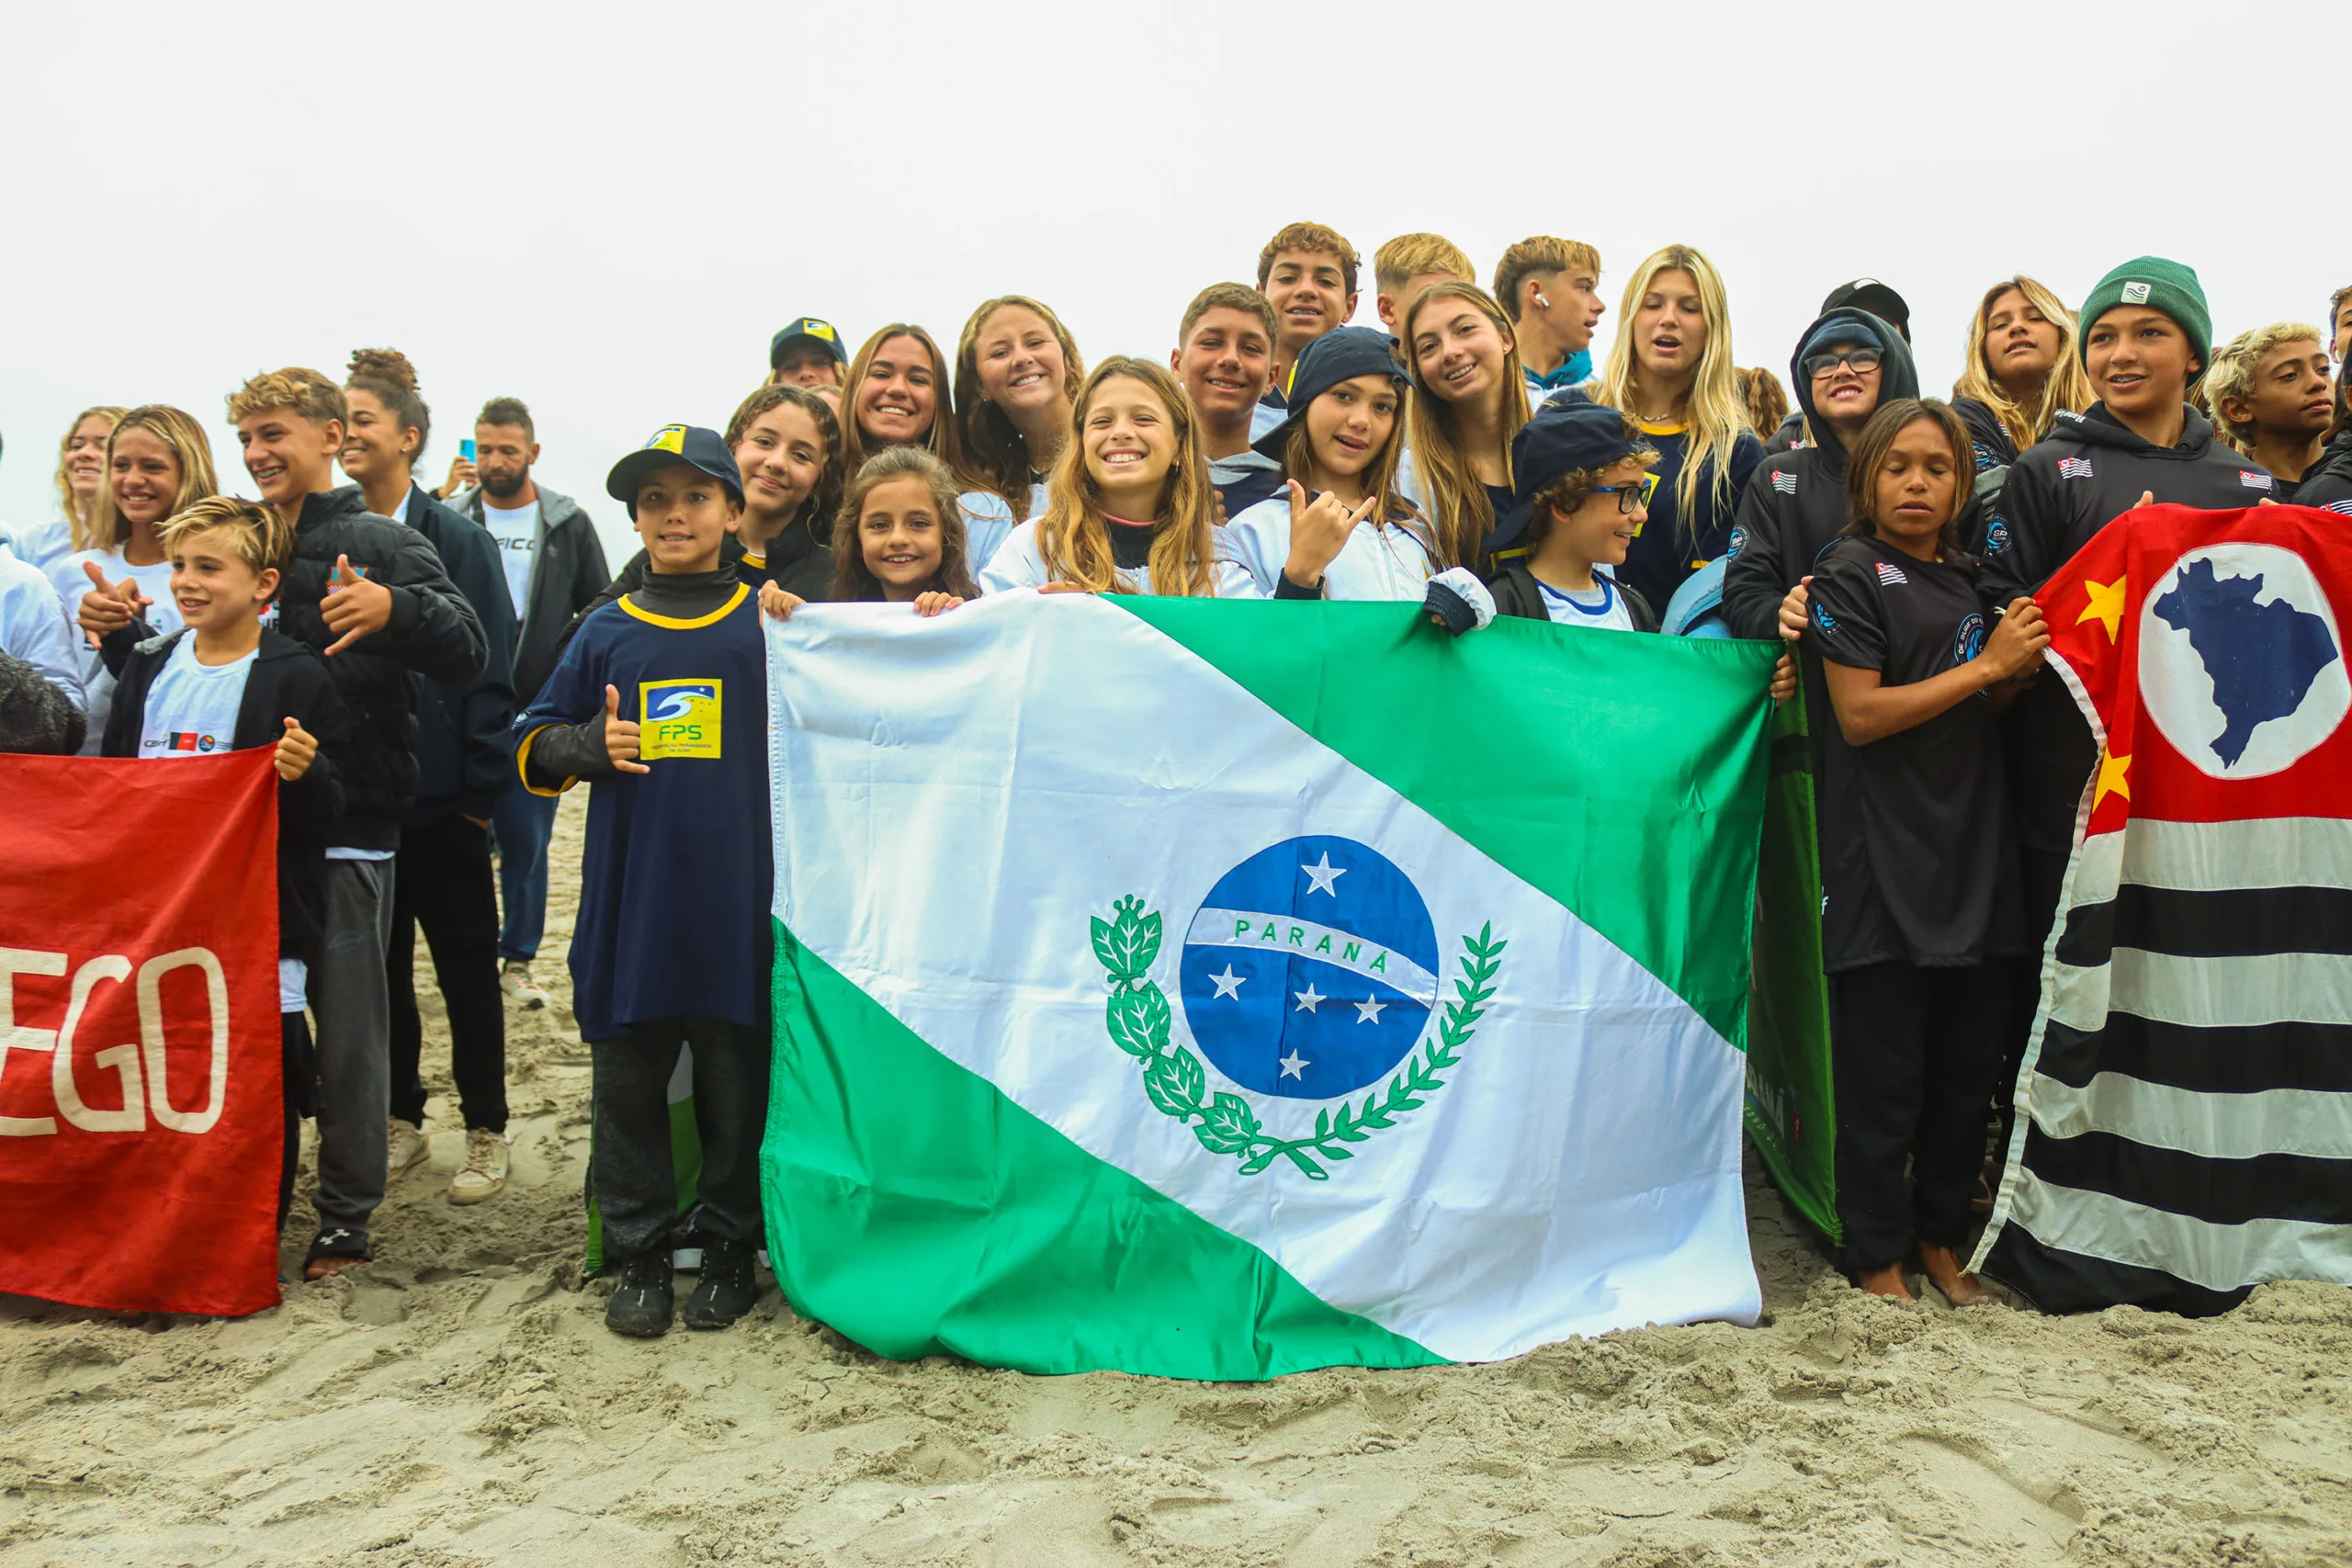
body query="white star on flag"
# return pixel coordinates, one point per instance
(1368, 1009)
(1228, 984)
(1307, 999)
(1295, 1066)
(1322, 875)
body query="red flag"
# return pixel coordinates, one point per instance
(141, 1119)
(2208, 642)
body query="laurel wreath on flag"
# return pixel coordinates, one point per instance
(1139, 1019)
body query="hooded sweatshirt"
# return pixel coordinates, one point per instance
(2085, 473)
(2328, 482)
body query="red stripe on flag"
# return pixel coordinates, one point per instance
(140, 1097)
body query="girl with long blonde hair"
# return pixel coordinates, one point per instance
(81, 479)
(1129, 508)
(1469, 399)
(1671, 369)
(2023, 368)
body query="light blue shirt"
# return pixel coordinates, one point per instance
(32, 626)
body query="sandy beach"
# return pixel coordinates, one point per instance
(459, 1402)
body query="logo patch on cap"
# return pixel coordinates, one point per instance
(2135, 294)
(669, 439)
(819, 329)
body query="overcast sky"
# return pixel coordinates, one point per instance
(606, 210)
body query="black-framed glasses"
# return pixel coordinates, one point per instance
(1863, 360)
(1630, 496)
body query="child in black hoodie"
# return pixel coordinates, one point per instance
(226, 683)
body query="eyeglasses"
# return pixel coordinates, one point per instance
(1630, 496)
(1862, 359)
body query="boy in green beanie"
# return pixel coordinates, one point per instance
(2146, 338)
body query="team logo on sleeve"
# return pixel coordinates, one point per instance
(2074, 467)
(680, 718)
(2254, 479)
(1823, 619)
(1996, 537)
(1731, 545)
(1786, 483)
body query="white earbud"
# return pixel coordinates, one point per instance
(1546, 304)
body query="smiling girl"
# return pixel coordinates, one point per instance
(1129, 509)
(1017, 374)
(788, 445)
(1470, 404)
(81, 476)
(1671, 368)
(1342, 528)
(901, 538)
(1922, 903)
(2021, 371)
(158, 464)
(893, 396)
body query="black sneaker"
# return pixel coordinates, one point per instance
(644, 1300)
(728, 1288)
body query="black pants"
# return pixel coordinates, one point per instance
(1915, 1053)
(629, 1166)
(442, 881)
(299, 1070)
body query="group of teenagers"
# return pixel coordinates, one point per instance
(435, 671)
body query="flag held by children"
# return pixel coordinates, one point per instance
(2184, 1124)
(140, 1101)
(1148, 1001)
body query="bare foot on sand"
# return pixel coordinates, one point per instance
(1886, 1281)
(1959, 1287)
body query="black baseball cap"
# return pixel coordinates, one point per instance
(671, 445)
(1340, 354)
(1870, 294)
(811, 328)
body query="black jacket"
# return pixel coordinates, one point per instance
(288, 681)
(2328, 482)
(432, 632)
(1517, 592)
(1996, 447)
(1795, 502)
(465, 743)
(567, 572)
(2061, 492)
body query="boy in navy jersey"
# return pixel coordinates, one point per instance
(661, 698)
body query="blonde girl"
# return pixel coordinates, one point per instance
(81, 479)
(2023, 368)
(1469, 401)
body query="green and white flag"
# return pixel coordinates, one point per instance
(1216, 989)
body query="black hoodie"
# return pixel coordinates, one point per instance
(1796, 503)
(2328, 482)
(2085, 473)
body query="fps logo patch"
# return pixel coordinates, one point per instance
(678, 719)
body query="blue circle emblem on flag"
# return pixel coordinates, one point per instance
(1310, 969)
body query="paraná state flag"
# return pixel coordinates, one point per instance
(2184, 1126)
(1216, 990)
(141, 1108)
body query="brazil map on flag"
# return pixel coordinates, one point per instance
(1174, 986)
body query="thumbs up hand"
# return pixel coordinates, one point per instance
(620, 735)
(108, 607)
(354, 607)
(297, 749)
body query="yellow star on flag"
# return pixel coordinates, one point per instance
(2111, 769)
(2106, 606)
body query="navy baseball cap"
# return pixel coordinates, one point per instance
(815, 331)
(671, 445)
(1870, 294)
(1567, 438)
(1340, 354)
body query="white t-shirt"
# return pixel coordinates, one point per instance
(192, 707)
(516, 535)
(1604, 608)
(1018, 564)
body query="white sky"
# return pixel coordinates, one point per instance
(606, 210)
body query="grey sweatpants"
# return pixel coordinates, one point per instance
(354, 1010)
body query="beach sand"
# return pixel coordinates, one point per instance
(459, 1402)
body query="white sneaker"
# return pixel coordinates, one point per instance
(485, 1173)
(515, 979)
(407, 1147)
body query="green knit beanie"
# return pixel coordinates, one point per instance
(2160, 284)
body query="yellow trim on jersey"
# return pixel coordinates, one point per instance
(523, 766)
(675, 625)
(1646, 428)
(753, 560)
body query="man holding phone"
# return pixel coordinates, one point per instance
(555, 568)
